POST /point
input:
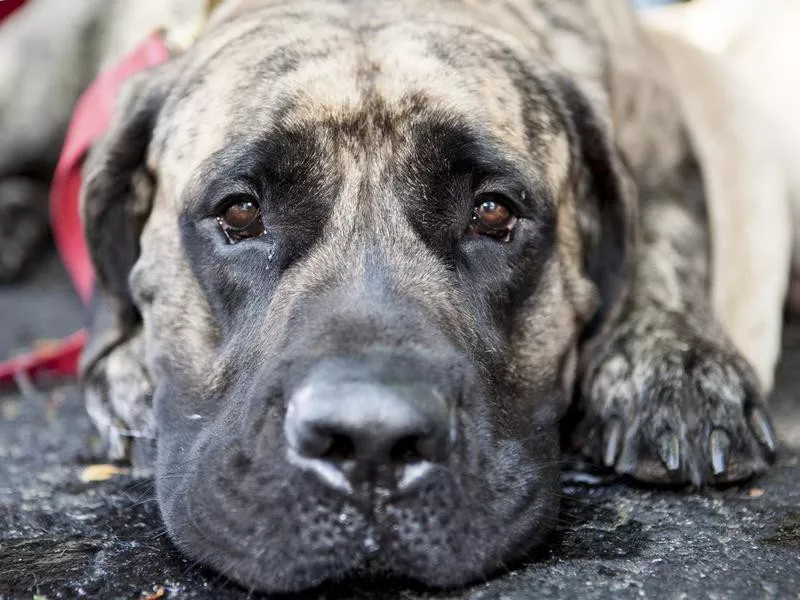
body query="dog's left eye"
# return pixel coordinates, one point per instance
(241, 220)
(492, 217)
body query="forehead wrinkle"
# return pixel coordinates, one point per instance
(485, 85)
(217, 92)
(368, 219)
(396, 58)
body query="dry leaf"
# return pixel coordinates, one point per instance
(9, 410)
(101, 473)
(159, 593)
(45, 345)
(755, 493)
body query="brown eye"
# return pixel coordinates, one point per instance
(493, 218)
(241, 221)
(241, 215)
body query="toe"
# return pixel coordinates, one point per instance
(613, 443)
(762, 429)
(669, 449)
(719, 448)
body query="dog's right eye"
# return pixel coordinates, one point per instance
(241, 220)
(491, 217)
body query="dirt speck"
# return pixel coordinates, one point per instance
(156, 594)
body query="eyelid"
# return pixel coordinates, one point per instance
(524, 201)
(512, 202)
(220, 195)
(501, 185)
(236, 198)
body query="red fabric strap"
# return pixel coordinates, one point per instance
(9, 6)
(90, 121)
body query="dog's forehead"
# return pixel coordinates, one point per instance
(252, 72)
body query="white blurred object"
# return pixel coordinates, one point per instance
(735, 62)
(759, 42)
(710, 24)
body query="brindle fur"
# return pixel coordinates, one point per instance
(367, 128)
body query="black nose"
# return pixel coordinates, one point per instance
(355, 430)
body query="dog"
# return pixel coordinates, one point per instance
(359, 262)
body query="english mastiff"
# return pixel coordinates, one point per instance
(359, 262)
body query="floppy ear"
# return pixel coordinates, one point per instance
(606, 206)
(116, 201)
(118, 188)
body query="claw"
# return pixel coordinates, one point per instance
(613, 441)
(719, 444)
(763, 429)
(669, 449)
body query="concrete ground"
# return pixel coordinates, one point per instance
(62, 538)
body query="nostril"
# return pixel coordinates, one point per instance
(341, 449)
(407, 450)
(351, 430)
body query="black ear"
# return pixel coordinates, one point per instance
(606, 204)
(116, 200)
(118, 188)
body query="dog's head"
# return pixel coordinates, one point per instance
(364, 249)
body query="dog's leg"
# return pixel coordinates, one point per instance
(118, 389)
(45, 61)
(793, 297)
(665, 395)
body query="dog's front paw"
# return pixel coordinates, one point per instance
(118, 392)
(664, 404)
